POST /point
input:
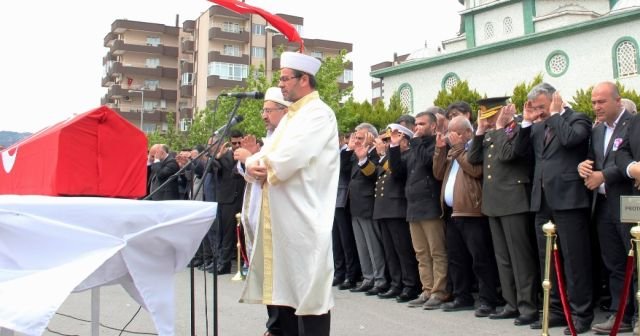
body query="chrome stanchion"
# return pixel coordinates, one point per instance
(550, 232)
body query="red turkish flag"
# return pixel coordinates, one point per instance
(129, 81)
(279, 23)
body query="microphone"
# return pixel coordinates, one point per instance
(232, 123)
(250, 94)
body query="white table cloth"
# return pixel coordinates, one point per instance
(52, 246)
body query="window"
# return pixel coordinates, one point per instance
(406, 97)
(507, 25)
(449, 81)
(187, 78)
(153, 41)
(150, 105)
(151, 84)
(298, 28)
(376, 92)
(489, 31)
(231, 50)
(626, 58)
(258, 52)
(557, 63)
(317, 54)
(347, 76)
(228, 71)
(231, 27)
(258, 29)
(152, 63)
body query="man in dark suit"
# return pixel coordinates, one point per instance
(390, 211)
(507, 175)
(365, 229)
(229, 186)
(601, 175)
(559, 137)
(345, 254)
(163, 167)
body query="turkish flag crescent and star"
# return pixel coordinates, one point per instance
(279, 23)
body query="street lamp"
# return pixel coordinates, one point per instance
(142, 109)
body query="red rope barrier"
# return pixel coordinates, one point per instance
(624, 295)
(561, 289)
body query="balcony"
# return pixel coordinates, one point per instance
(216, 56)
(186, 66)
(186, 112)
(188, 46)
(186, 91)
(215, 81)
(160, 71)
(221, 11)
(119, 48)
(216, 33)
(158, 93)
(311, 44)
(121, 26)
(116, 91)
(189, 26)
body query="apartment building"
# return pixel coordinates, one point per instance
(151, 69)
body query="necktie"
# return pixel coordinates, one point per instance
(548, 133)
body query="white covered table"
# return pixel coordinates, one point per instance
(52, 246)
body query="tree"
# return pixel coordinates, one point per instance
(519, 96)
(582, 102)
(459, 92)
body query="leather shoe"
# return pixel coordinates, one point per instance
(390, 294)
(224, 269)
(485, 310)
(525, 319)
(375, 290)
(581, 328)
(347, 284)
(208, 267)
(195, 262)
(407, 295)
(504, 314)
(364, 286)
(456, 305)
(554, 321)
(336, 281)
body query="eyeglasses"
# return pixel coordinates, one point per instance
(269, 110)
(287, 78)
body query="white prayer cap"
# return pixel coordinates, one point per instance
(274, 94)
(400, 128)
(301, 62)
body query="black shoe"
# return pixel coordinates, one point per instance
(224, 269)
(347, 284)
(485, 310)
(504, 314)
(375, 290)
(525, 319)
(336, 281)
(554, 321)
(390, 294)
(581, 328)
(362, 288)
(407, 295)
(456, 305)
(195, 262)
(208, 266)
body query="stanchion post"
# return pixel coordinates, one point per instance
(549, 230)
(239, 276)
(635, 233)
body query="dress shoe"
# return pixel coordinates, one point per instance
(195, 262)
(364, 286)
(485, 310)
(554, 321)
(347, 284)
(605, 327)
(375, 290)
(407, 295)
(390, 294)
(525, 319)
(434, 302)
(456, 305)
(504, 314)
(336, 281)
(419, 301)
(581, 328)
(208, 266)
(223, 269)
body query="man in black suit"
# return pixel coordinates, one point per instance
(229, 186)
(559, 137)
(365, 229)
(507, 175)
(601, 175)
(163, 167)
(390, 211)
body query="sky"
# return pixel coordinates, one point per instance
(52, 55)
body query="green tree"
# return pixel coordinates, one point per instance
(629, 94)
(519, 96)
(459, 92)
(582, 102)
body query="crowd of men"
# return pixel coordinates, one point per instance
(436, 207)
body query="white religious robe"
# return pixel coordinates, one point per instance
(292, 261)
